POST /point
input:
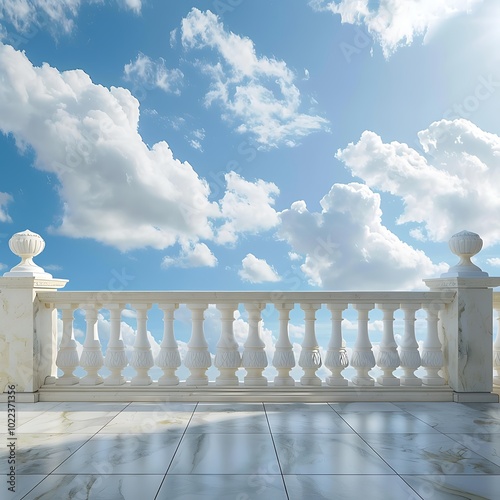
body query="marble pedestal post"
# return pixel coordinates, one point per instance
(28, 336)
(466, 332)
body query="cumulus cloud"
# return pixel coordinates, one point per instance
(114, 188)
(53, 15)
(256, 270)
(394, 23)
(258, 93)
(146, 74)
(347, 246)
(453, 188)
(5, 199)
(247, 207)
(191, 255)
(495, 261)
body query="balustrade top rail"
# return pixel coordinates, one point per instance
(227, 297)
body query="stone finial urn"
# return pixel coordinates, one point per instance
(465, 245)
(27, 245)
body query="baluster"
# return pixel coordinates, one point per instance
(115, 359)
(254, 358)
(197, 358)
(408, 350)
(91, 360)
(283, 359)
(168, 358)
(67, 356)
(336, 356)
(227, 358)
(142, 357)
(496, 350)
(388, 357)
(310, 357)
(363, 359)
(432, 353)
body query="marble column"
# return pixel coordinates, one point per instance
(466, 325)
(28, 329)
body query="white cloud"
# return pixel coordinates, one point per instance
(135, 5)
(247, 206)
(454, 188)
(54, 15)
(114, 188)
(146, 74)
(197, 139)
(192, 255)
(257, 92)
(5, 199)
(257, 270)
(294, 256)
(394, 23)
(347, 247)
(495, 261)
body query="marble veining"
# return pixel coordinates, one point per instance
(428, 454)
(186, 451)
(327, 454)
(122, 454)
(78, 487)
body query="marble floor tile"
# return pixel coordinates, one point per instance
(41, 453)
(428, 454)
(486, 445)
(225, 454)
(87, 420)
(455, 487)
(163, 407)
(225, 422)
(453, 417)
(122, 454)
(348, 487)
(222, 487)
(327, 454)
(96, 487)
(492, 409)
(232, 407)
(292, 407)
(383, 422)
(138, 418)
(310, 422)
(24, 484)
(364, 407)
(24, 413)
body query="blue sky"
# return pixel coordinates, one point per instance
(249, 144)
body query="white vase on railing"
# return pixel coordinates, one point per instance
(27, 245)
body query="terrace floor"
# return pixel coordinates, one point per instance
(243, 451)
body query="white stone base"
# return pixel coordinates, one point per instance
(475, 397)
(213, 393)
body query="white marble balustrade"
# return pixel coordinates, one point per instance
(396, 363)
